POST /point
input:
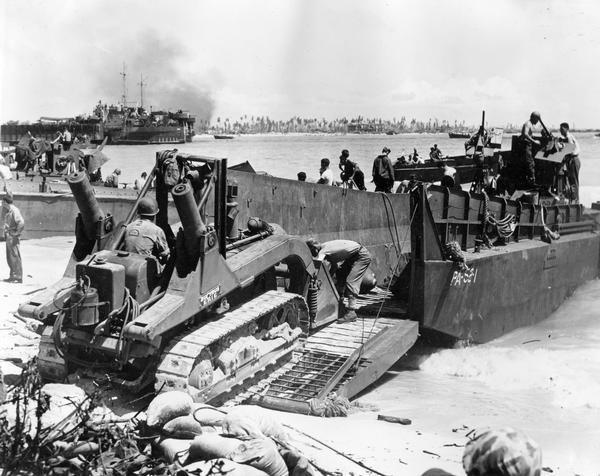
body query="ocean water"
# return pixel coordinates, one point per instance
(286, 155)
(543, 379)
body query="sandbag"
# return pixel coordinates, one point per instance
(211, 446)
(241, 426)
(182, 427)
(166, 406)
(296, 464)
(221, 466)
(207, 415)
(174, 448)
(262, 454)
(250, 420)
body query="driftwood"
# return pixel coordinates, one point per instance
(394, 419)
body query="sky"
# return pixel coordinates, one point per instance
(425, 59)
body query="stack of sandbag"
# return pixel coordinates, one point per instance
(244, 440)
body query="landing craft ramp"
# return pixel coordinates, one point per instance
(344, 358)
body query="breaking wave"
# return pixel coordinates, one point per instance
(570, 376)
(558, 356)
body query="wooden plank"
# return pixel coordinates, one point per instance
(327, 348)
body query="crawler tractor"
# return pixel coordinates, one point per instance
(227, 304)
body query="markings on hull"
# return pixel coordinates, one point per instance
(464, 277)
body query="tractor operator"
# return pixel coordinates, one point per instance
(143, 236)
(356, 259)
(527, 141)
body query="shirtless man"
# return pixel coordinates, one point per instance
(528, 142)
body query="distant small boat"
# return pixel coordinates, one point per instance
(391, 133)
(459, 135)
(218, 136)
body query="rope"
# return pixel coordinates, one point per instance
(370, 333)
(504, 227)
(331, 406)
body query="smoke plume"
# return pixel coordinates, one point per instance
(161, 62)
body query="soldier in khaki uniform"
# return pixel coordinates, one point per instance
(356, 259)
(143, 236)
(13, 227)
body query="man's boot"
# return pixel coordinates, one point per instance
(349, 314)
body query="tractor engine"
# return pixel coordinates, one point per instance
(110, 286)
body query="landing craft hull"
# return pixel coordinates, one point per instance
(459, 135)
(147, 135)
(507, 288)
(431, 172)
(502, 288)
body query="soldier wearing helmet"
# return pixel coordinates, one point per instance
(528, 141)
(502, 452)
(143, 236)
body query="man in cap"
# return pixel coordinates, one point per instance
(356, 259)
(502, 452)
(143, 236)
(351, 173)
(326, 173)
(13, 227)
(528, 141)
(383, 172)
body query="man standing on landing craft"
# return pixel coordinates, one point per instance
(527, 141)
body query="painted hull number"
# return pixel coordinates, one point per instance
(466, 277)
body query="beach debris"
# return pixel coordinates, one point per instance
(427, 452)
(394, 419)
(60, 429)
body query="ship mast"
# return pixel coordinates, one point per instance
(124, 96)
(141, 84)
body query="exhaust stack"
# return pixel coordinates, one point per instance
(193, 226)
(89, 209)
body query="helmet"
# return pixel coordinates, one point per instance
(386, 150)
(8, 198)
(117, 172)
(147, 206)
(505, 451)
(345, 153)
(536, 114)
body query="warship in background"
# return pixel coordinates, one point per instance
(121, 124)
